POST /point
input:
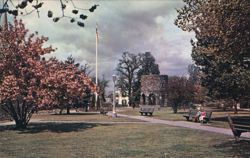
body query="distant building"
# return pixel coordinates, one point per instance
(122, 98)
(154, 90)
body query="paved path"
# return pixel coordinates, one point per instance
(185, 124)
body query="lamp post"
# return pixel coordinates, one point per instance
(114, 81)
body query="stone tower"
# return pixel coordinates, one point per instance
(154, 90)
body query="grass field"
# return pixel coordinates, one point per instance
(63, 140)
(88, 117)
(165, 113)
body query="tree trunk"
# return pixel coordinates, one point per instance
(175, 109)
(61, 110)
(21, 114)
(223, 107)
(86, 108)
(21, 124)
(235, 107)
(68, 110)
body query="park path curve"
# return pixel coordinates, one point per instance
(184, 124)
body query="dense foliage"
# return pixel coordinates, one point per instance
(180, 92)
(222, 45)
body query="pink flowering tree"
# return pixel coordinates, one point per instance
(65, 83)
(27, 82)
(20, 71)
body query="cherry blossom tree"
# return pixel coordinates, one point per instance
(20, 71)
(28, 82)
(65, 83)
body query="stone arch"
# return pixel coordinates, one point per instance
(152, 99)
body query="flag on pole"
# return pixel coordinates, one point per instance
(97, 36)
(96, 66)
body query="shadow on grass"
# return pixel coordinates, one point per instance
(224, 118)
(181, 112)
(216, 109)
(77, 113)
(235, 149)
(34, 128)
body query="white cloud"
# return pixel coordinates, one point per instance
(135, 26)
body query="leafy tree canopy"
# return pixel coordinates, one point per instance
(180, 91)
(222, 47)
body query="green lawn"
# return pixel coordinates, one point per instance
(88, 117)
(164, 113)
(63, 140)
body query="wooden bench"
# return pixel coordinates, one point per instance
(208, 116)
(147, 110)
(238, 126)
(104, 110)
(192, 115)
(106, 107)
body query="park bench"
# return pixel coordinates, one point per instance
(208, 116)
(191, 115)
(104, 110)
(238, 125)
(106, 107)
(147, 110)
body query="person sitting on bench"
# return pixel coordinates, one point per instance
(202, 116)
(197, 116)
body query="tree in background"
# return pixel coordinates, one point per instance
(180, 92)
(148, 65)
(88, 99)
(102, 85)
(65, 83)
(86, 69)
(130, 69)
(199, 92)
(222, 47)
(21, 72)
(194, 73)
(127, 69)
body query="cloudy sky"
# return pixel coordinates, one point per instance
(136, 26)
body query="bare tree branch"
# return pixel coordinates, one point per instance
(22, 8)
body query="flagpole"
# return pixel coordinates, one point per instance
(96, 66)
